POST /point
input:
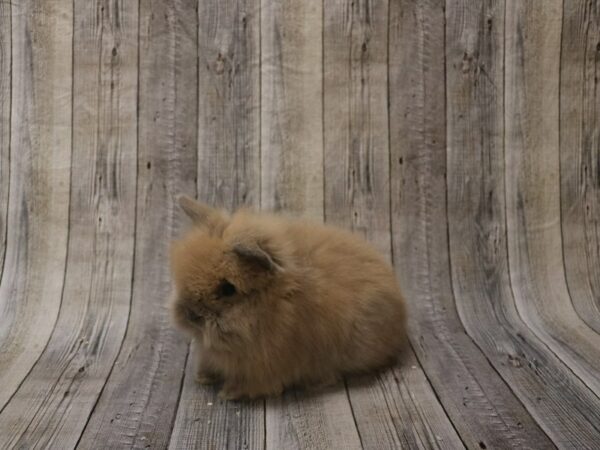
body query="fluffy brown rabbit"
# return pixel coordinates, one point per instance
(274, 302)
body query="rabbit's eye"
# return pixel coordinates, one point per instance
(226, 289)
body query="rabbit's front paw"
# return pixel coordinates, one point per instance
(231, 391)
(207, 378)
(237, 391)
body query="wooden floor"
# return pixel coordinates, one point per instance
(461, 137)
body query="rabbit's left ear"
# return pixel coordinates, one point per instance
(203, 215)
(255, 255)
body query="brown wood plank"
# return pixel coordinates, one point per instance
(37, 226)
(52, 405)
(396, 408)
(563, 406)
(229, 176)
(292, 181)
(291, 106)
(5, 107)
(137, 406)
(532, 188)
(481, 406)
(580, 155)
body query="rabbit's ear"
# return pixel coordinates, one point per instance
(255, 255)
(202, 214)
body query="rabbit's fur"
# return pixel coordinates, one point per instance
(274, 302)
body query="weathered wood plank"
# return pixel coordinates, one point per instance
(5, 107)
(481, 406)
(291, 106)
(206, 422)
(37, 228)
(532, 188)
(355, 118)
(229, 176)
(292, 181)
(229, 102)
(53, 403)
(137, 406)
(580, 155)
(562, 405)
(357, 197)
(305, 420)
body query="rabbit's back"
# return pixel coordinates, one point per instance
(356, 299)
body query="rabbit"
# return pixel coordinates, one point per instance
(275, 302)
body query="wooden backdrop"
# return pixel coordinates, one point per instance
(461, 137)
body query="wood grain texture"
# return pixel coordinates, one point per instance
(580, 155)
(137, 406)
(292, 106)
(532, 188)
(5, 107)
(229, 102)
(229, 176)
(206, 422)
(292, 180)
(481, 406)
(303, 420)
(37, 226)
(52, 404)
(357, 197)
(461, 138)
(355, 119)
(562, 405)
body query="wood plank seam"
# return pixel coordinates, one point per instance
(547, 311)
(352, 413)
(587, 308)
(135, 225)
(38, 206)
(6, 146)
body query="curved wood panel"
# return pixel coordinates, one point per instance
(5, 108)
(38, 204)
(228, 177)
(481, 406)
(532, 188)
(580, 156)
(357, 197)
(138, 403)
(53, 403)
(292, 180)
(563, 406)
(461, 138)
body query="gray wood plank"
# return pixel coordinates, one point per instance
(37, 226)
(291, 106)
(532, 188)
(137, 406)
(53, 403)
(229, 176)
(563, 406)
(5, 107)
(311, 420)
(292, 181)
(206, 422)
(481, 406)
(357, 197)
(355, 118)
(580, 156)
(229, 102)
